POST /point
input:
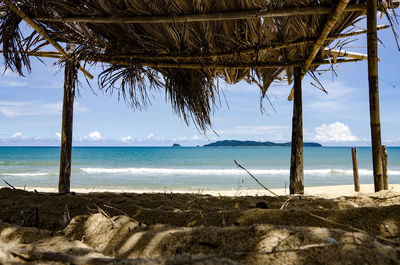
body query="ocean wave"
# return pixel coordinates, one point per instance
(179, 171)
(199, 172)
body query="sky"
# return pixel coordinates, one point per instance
(30, 109)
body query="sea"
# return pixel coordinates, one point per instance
(187, 168)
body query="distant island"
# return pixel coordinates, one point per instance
(236, 143)
(176, 145)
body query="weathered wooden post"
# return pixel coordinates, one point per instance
(374, 94)
(70, 76)
(384, 168)
(296, 162)
(355, 169)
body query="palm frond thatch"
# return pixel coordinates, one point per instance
(193, 93)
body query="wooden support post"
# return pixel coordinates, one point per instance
(70, 76)
(296, 163)
(355, 169)
(384, 165)
(374, 94)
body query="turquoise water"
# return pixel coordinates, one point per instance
(187, 168)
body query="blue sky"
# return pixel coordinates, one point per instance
(30, 109)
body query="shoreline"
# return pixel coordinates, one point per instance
(325, 191)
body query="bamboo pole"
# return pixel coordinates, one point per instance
(343, 53)
(42, 32)
(218, 65)
(263, 48)
(296, 160)
(121, 61)
(206, 17)
(384, 166)
(70, 76)
(374, 94)
(330, 23)
(355, 169)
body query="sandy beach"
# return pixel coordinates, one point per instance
(328, 225)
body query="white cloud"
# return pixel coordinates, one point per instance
(13, 109)
(185, 139)
(126, 139)
(16, 135)
(13, 83)
(94, 136)
(337, 98)
(9, 113)
(58, 135)
(334, 132)
(53, 108)
(149, 136)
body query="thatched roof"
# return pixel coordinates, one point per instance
(184, 46)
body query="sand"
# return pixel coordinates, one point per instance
(329, 225)
(324, 191)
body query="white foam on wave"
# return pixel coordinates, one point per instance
(199, 172)
(179, 171)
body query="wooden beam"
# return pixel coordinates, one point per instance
(56, 55)
(330, 23)
(355, 169)
(42, 32)
(70, 76)
(384, 165)
(206, 17)
(296, 160)
(221, 66)
(241, 51)
(374, 95)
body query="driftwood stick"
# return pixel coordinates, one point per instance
(11, 186)
(251, 175)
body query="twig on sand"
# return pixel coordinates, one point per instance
(251, 175)
(286, 203)
(116, 209)
(106, 215)
(352, 228)
(11, 186)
